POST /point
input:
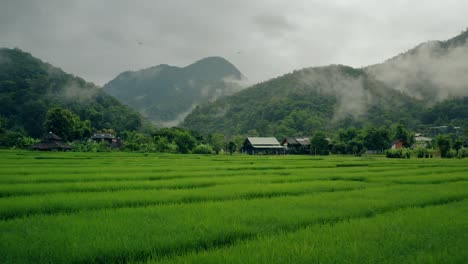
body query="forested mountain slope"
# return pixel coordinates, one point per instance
(30, 87)
(303, 101)
(426, 86)
(432, 71)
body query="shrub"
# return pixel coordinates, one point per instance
(451, 154)
(462, 153)
(203, 149)
(394, 153)
(422, 153)
(403, 153)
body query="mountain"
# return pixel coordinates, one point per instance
(410, 88)
(432, 71)
(303, 101)
(166, 94)
(30, 87)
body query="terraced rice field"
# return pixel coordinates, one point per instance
(130, 207)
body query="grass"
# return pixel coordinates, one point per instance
(130, 207)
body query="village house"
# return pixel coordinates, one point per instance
(420, 141)
(98, 137)
(51, 142)
(398, 144)
(262, 145)
(296, 145)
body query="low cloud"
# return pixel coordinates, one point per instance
(432, 72)
(180, 117)
(351, 97)
(273, 25)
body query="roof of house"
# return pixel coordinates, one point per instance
(51, 136)
(297, 141)
(264, 142)
(103, 136)
(396, 141)
(421, 138)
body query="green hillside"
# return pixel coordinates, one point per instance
(425, 86)
(166, 94)
(432, 71)
(30, 87)
(303, 101)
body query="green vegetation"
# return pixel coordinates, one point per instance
(30, 90)
(408, 239)
(131, 207)
(303, 102)
(421, 88)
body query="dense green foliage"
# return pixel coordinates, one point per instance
(164, 93)
(319, 144)
(298, 105)
(124, 207)
(452, 112)
(66, 124)
(424, 87)
(29, 88)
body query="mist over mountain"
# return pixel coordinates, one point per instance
(30, 87)
(408, 88)
(432, 71)
(166, 94)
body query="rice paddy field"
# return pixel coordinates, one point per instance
(155, 208)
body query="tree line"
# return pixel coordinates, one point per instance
(349, 141)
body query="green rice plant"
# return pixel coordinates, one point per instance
(435, 234)
(18, 206)
(125, 207)
(135, 234)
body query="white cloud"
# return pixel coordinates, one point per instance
(266, 38)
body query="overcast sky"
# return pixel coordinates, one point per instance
(264, 38)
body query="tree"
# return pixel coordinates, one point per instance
(443, 143)
(185, 142)
(135, 141)
(376, 138)
(203, 149)
(63, 123)
(319, 144)
(402, 133)
(217, 142)
(231, 146)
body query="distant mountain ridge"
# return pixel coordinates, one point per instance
(408, 88)
(30, 87)
(432, 71)
(166, 94)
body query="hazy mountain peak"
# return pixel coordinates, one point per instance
(432, 71)
(166, 94)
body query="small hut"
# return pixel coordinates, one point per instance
(262, 145)
(296, 145)
(98, 137)
(398, 144)
(420, 141)
(51, 142)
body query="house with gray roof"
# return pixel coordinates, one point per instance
(295, 145)
(262, 145)
(420, 141)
